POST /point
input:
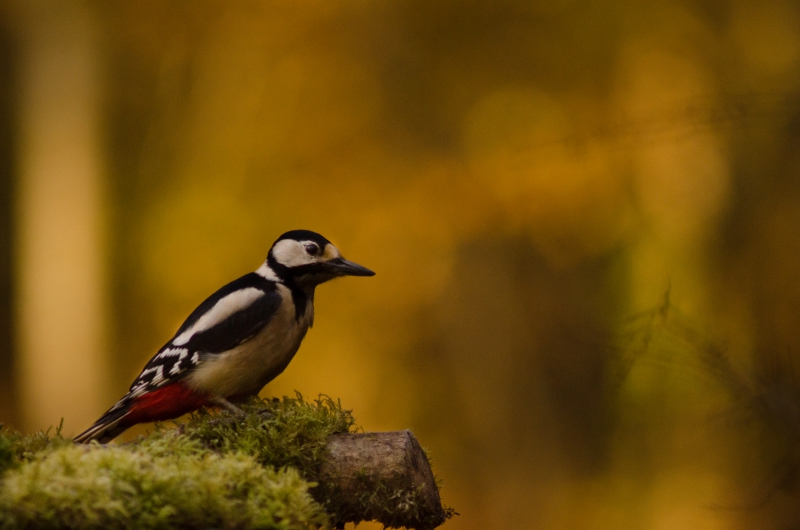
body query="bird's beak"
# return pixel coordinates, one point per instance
(343, 267)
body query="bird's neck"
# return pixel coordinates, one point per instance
(302, 291)
(302, 297)
(268, 272)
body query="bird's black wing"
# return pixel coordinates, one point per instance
(227, 318)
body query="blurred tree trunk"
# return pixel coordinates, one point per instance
(58, 224)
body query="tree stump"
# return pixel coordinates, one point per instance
(381, 476)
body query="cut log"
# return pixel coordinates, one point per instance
(380, 476)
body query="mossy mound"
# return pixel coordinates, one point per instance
(16, 448)
(218, 470)
(161, 484)
(278, 432)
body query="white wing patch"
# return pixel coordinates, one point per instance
(137, 391)
(176, 368)
(157, 378)
(236, 301)
(148, 371)
(172, 352)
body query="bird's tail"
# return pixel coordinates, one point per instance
(109, 426)
(163, 403)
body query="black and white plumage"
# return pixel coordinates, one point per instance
(236, 341)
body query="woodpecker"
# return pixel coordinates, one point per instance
(238, 340)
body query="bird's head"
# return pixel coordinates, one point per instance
(308, 259)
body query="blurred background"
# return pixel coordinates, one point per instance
(584, 218)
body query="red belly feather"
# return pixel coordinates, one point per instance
(166, 403)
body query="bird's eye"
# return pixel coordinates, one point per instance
(312, 250)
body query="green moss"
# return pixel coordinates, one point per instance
(221, 473)
(216, 470)
(161, 483)
(16, 448)
(6, 452)
(279, 432)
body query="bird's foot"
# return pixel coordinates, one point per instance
(224, 403)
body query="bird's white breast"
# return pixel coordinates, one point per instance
(245, 369)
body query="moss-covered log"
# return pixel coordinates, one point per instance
(381, 476)
(286, 464)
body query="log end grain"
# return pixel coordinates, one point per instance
(382, 476)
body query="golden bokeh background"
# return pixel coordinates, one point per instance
(524, 177)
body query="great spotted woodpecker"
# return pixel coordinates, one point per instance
(238, 340)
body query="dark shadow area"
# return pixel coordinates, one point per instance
(8, 94)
